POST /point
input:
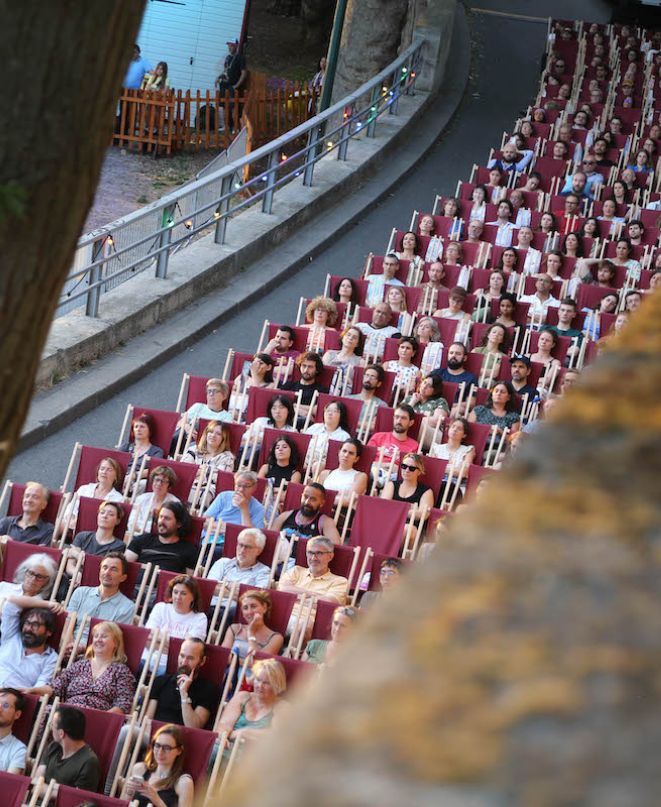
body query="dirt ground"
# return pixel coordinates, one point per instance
(130, 180)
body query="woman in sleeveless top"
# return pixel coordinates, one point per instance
(345, 479)
(253, 633)
(409, 489)
(459, 456)
(282, 463)
(160, 779)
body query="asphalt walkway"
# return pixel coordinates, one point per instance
(506, 51)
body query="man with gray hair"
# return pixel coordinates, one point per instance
(315, 580)
(244, 566)
(29, 528)
(239, 506)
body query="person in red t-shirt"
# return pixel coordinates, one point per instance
(395, 443)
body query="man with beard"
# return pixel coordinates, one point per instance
(27, 661)
(373, 377)
(308, 520)
(184, 697)
(310, 367)
(166, 548)
(455, 372)
(12, 750)
(511, 159)
(396, 442)
(520, 369)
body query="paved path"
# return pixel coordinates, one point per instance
(504, 79)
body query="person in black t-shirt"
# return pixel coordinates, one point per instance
(310, 366)
(520, 371)
(166, 548)
(184, 697)
(233, 76)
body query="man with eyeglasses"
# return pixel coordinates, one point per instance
(27, 662)
(238, 506)
(316, 580)
(12, 751)
(244, 567)
(29, 527)
(212, 409)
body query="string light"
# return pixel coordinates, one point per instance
(188, 224)
(216, 213)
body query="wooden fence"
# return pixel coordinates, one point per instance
(157, 122)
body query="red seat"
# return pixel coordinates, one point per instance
(282, 602)
(88, 510)
(165, 423)
(266, 556)
(295, 670)
(476, 474)
(240, 361)
(323, 619)
(90, 574)
(390, 352)
(184, 471)
(384, 421)
(559, 351)
(478, 436)
(236, 432)
(15, 789)
(207, 589)
(196, 391)
(379, 524)
(301, 334)
(385, 390)
(22, 728)
(74, 797)
(301, 441)
(15, 507)
(102, 732)
(258, 400)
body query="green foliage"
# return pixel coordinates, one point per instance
(13, 201)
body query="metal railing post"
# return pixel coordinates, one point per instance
(222, 210)
(311, 154)
(396, 89)
(373, 114)
(95, 274)
(274, 161)
(164, 239)
(345, 134)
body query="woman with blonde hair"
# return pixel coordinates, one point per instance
(243, 638)
(160, 780)
(248, 714)
(102, 680)
(212, 453)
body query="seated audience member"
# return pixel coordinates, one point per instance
(315, 580)
(541, 300)
(102, 680)
(499, 410)
(320, 314)
(505, 214)
(345, 479)
(280, 415)
(396, 299)
(547, 341)
(213, 409)
(184, 697)
(389, 575)
(533, 259)
(310, 367)
(254, 634)
(34, 577)
(520, 368)
(27, 661)
(512, 159)
(494, 347)
(146, 505)
(376, 284)
(101, 541)
(160, 779)
(238, 506)
(335, 426)
(409, 489)
(166, 547)
(108, 487)
(487, 294)
(179, 616)
(281, 347)
(308, 520)
(577, 184)
(141, 446)
(455, 309)
(249, 714)
(397, 442)
(322, 651)
(244, 567)
(409, 251)
(456, 372)
(281, 463)
(69, 759)
(430, 289)
(474, 231)
(506, 310)
(428, 335)
(13, 752)
(406, 372)
(479, 197)
(346, 292)
(259, 374)
(373, 377)
(459, 454)
(428, 400)
(377, 331)
(104, 601)
(29, 528)
(632, 301)
(212, 453)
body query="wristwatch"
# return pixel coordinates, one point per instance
(186, 700)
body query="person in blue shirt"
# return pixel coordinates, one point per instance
(455, 372)
(136, 70)
(238, 506)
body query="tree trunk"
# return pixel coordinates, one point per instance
(371, 38)
(63, 64)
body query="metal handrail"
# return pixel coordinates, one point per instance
(104, 250)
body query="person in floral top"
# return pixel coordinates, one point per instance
(102, 680)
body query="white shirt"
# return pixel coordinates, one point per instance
(165, 618)
(17, 668)
(88, 491)
(12, 753)
(538, 306)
